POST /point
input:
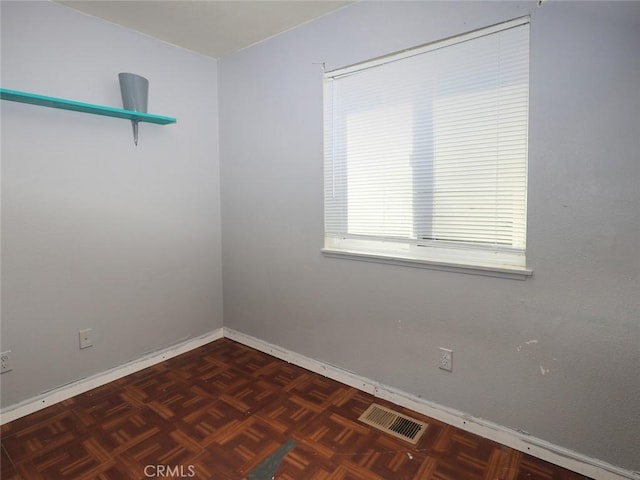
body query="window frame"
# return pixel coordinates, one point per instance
(423, 253)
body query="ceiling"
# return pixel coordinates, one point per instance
(212, 27)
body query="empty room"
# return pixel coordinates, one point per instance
(320, 240)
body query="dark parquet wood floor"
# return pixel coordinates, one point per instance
(219, 411)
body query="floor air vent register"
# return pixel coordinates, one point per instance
(393, 423)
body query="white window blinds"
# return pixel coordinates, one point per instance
(426, 151)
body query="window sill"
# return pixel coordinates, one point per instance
(489, 271)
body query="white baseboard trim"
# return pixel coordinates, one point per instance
(77, 387)
(542, 449)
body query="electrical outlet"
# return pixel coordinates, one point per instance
(446, 359)
(5, 361)
(85, 338)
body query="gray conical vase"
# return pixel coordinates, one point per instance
(135, 93)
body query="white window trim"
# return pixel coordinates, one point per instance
(484, 270)
(450, 260)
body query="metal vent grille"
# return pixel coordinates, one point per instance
(393, 423)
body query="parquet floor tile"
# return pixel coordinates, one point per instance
(220, 411)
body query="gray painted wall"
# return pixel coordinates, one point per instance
(97, 233)
(556, 355)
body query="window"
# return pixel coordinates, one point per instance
(426, 153)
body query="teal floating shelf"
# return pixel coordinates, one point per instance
(52, 102)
